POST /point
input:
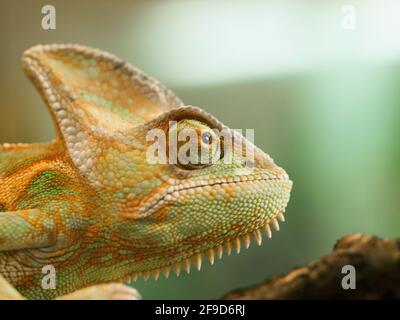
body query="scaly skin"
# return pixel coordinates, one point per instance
(90, 204)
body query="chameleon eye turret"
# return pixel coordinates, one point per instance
(198, 146)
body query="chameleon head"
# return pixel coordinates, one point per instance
(203, 208)
(205, 193)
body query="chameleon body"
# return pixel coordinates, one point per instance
(91, 205)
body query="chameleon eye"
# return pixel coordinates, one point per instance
(198, 146)
(207, 138)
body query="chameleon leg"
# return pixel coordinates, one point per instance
(107, 291)
(8, 292)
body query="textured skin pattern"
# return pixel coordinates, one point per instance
(90, 204)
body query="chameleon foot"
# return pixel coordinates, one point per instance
(8, 292)
(109, 291)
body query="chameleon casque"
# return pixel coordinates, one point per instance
(91, 205)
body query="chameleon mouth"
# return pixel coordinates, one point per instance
(234, 244)
(229, 246)
(175, 191)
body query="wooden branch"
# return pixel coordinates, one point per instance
(376, 262)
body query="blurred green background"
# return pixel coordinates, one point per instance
(323, 99)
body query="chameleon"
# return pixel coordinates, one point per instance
(90, 205)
